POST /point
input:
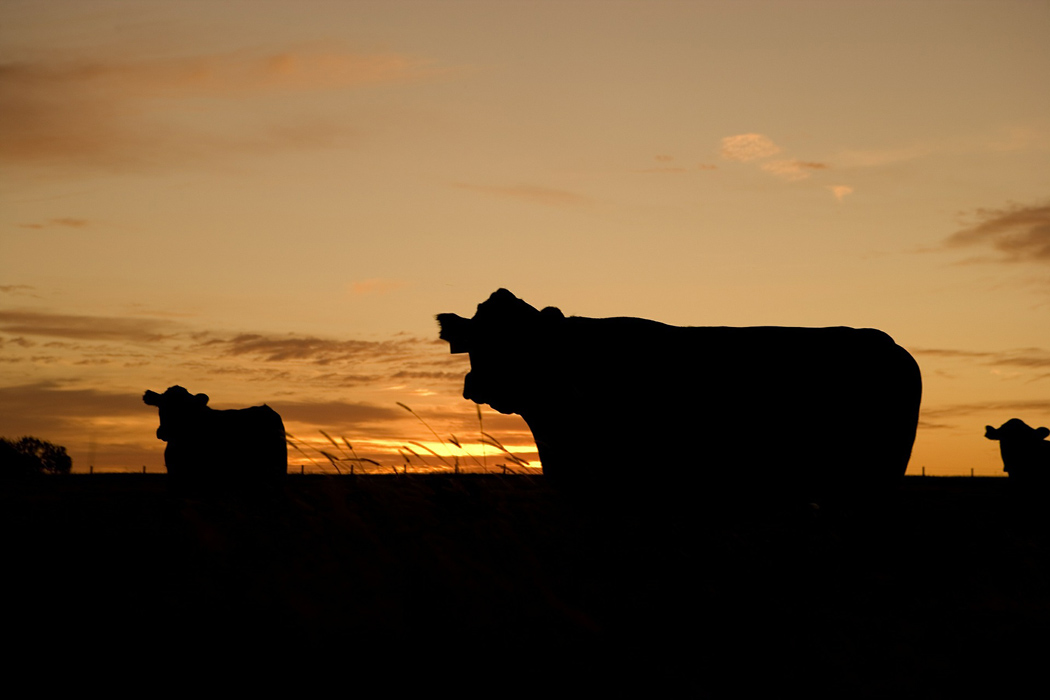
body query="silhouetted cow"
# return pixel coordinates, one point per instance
(817, 409)
(1025, 451)
(206, 444)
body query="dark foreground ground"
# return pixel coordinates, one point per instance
(499, 586)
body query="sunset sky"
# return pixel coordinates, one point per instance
(270, 201)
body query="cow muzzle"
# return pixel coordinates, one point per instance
(474, 390)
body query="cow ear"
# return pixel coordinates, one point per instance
(1042, 433)
(456, 331)
(991, 433)
(201, 400)
(552, 313)
(151, 398)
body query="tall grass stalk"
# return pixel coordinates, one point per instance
(333, 459)
(432, 431)
(421, 445)
(406, 458)
(354, 459)
(455, 441)
(418, 456)
(455, 467)
(487, 439)
(293, 441)
(357, 459)
(481, 429)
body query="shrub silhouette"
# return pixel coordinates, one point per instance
(29, 456)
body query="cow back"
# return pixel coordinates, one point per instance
(771, 405)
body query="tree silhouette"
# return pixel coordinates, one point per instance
(29, 455)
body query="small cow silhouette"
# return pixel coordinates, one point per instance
(1025, 451)
(206, 444)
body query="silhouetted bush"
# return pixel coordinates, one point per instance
(29, 456)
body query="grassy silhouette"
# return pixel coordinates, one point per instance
(344, 459)
(350, 460)
(950, 577)
(486, 439)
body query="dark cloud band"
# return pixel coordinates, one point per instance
(1017, 234)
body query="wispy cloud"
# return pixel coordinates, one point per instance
(1020, 357)
(1010, 139)
(951, 353)
(406, 374)
(1022, 138)
(840, 191)
(335, 414)
(65, 222)
(793, 170)
(1028, 363)
(19, 341)
(1037, 407)
(665, 167)
(317, 350)
(670, 169)
(77, 340)
(17, 290)
(528, 193)
(111, 113)
(51, 400)
(872, 158)
(217, 75)
(1029, 357)
(748, 147)
(1018, 233)
(38, 323)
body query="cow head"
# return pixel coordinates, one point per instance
(1024, 448)
(508, 341)
(1016, 430)
(178, 410)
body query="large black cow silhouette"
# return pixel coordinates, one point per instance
(207, 444)
(813, 409)
(1025, 450)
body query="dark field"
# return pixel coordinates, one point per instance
(496, 585)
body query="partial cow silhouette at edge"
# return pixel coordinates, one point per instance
(817, 411)
(206, 445)
(1025, 451)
